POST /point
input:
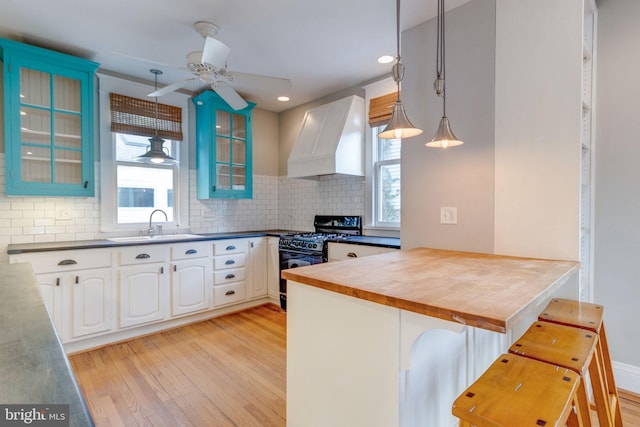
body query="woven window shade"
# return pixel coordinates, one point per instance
(138, 117)
(380, 109)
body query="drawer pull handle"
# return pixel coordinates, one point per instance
(230, 276)
(67, 262)
(57, 281)
(229, 293)
(229, 262)
(86, 184)
(352, 255)
(230, 248)
(143, 256)
(191, 252)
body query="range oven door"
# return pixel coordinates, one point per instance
(293, 259)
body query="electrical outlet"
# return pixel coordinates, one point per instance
(448, 215)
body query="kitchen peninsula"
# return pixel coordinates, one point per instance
(392, 339)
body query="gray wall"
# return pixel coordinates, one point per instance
(463, 176)
(617, 232)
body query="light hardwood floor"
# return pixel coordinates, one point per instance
(228, 371)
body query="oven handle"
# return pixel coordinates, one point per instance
(289, 251)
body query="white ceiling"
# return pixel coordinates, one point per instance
(322, 46)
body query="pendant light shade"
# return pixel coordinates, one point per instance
(444, 136)
(156, 153)
(399, 125)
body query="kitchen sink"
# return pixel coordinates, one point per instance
(158, 238)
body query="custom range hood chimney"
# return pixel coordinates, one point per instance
(331, 140)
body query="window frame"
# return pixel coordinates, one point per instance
(108, 164)
(371, 220)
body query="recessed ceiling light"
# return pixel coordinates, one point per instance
(283, 98)
(386, 59)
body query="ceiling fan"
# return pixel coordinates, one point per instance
(210, 66)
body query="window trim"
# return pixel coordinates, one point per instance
(107, 188)
(375, 90)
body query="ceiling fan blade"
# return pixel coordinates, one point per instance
(215, 52)
(170, 88)
(277, 84)
(229, 95)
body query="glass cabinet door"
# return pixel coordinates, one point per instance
(223, 140)
(50, 128)
(48, 110)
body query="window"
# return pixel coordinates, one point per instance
(130, 191)
(383, 162)
(141, 188)
(387, 179)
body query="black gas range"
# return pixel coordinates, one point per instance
(301, 249)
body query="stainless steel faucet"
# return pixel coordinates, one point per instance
(158, 229)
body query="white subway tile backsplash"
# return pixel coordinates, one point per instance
(278, 203)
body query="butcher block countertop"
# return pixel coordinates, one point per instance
(492, 292)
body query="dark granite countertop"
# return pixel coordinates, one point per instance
(34, 368)
(105, 243)
(14, 249)
(386, 242)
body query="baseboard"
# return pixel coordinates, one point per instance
(627, 377)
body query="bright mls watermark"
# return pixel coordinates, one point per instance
(34, 415)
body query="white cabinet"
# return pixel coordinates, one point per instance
(273, 268)
(77, 289)
(92, 302)
(229, 259)
(144, 284)
(191, 277)
(257, 268)
(342, 251)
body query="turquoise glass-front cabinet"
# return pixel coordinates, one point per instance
(48, 108)
(223, 148)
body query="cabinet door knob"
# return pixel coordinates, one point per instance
(352, 255)
(67, 262)
(191, 252)
(143, 256)
(77, 279)
(229, 262)
(86, 184)
(230, 293)
(57, 281)
(161, 270)
(175, 267)
(229, 276)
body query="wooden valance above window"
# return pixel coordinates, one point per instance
(138, 117)
(380, 109)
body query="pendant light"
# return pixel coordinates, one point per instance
(156, 153)
(444, 136)
(399, 125)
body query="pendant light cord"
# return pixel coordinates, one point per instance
(397, 72)
(440, 58)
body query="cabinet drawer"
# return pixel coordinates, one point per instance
(227, 294)
(230, 246)
(229, 261)
(56, 261)
(230, 275)
(190, 250)
(341, 251)
(144, 254)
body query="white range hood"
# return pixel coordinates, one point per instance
(331, 140)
